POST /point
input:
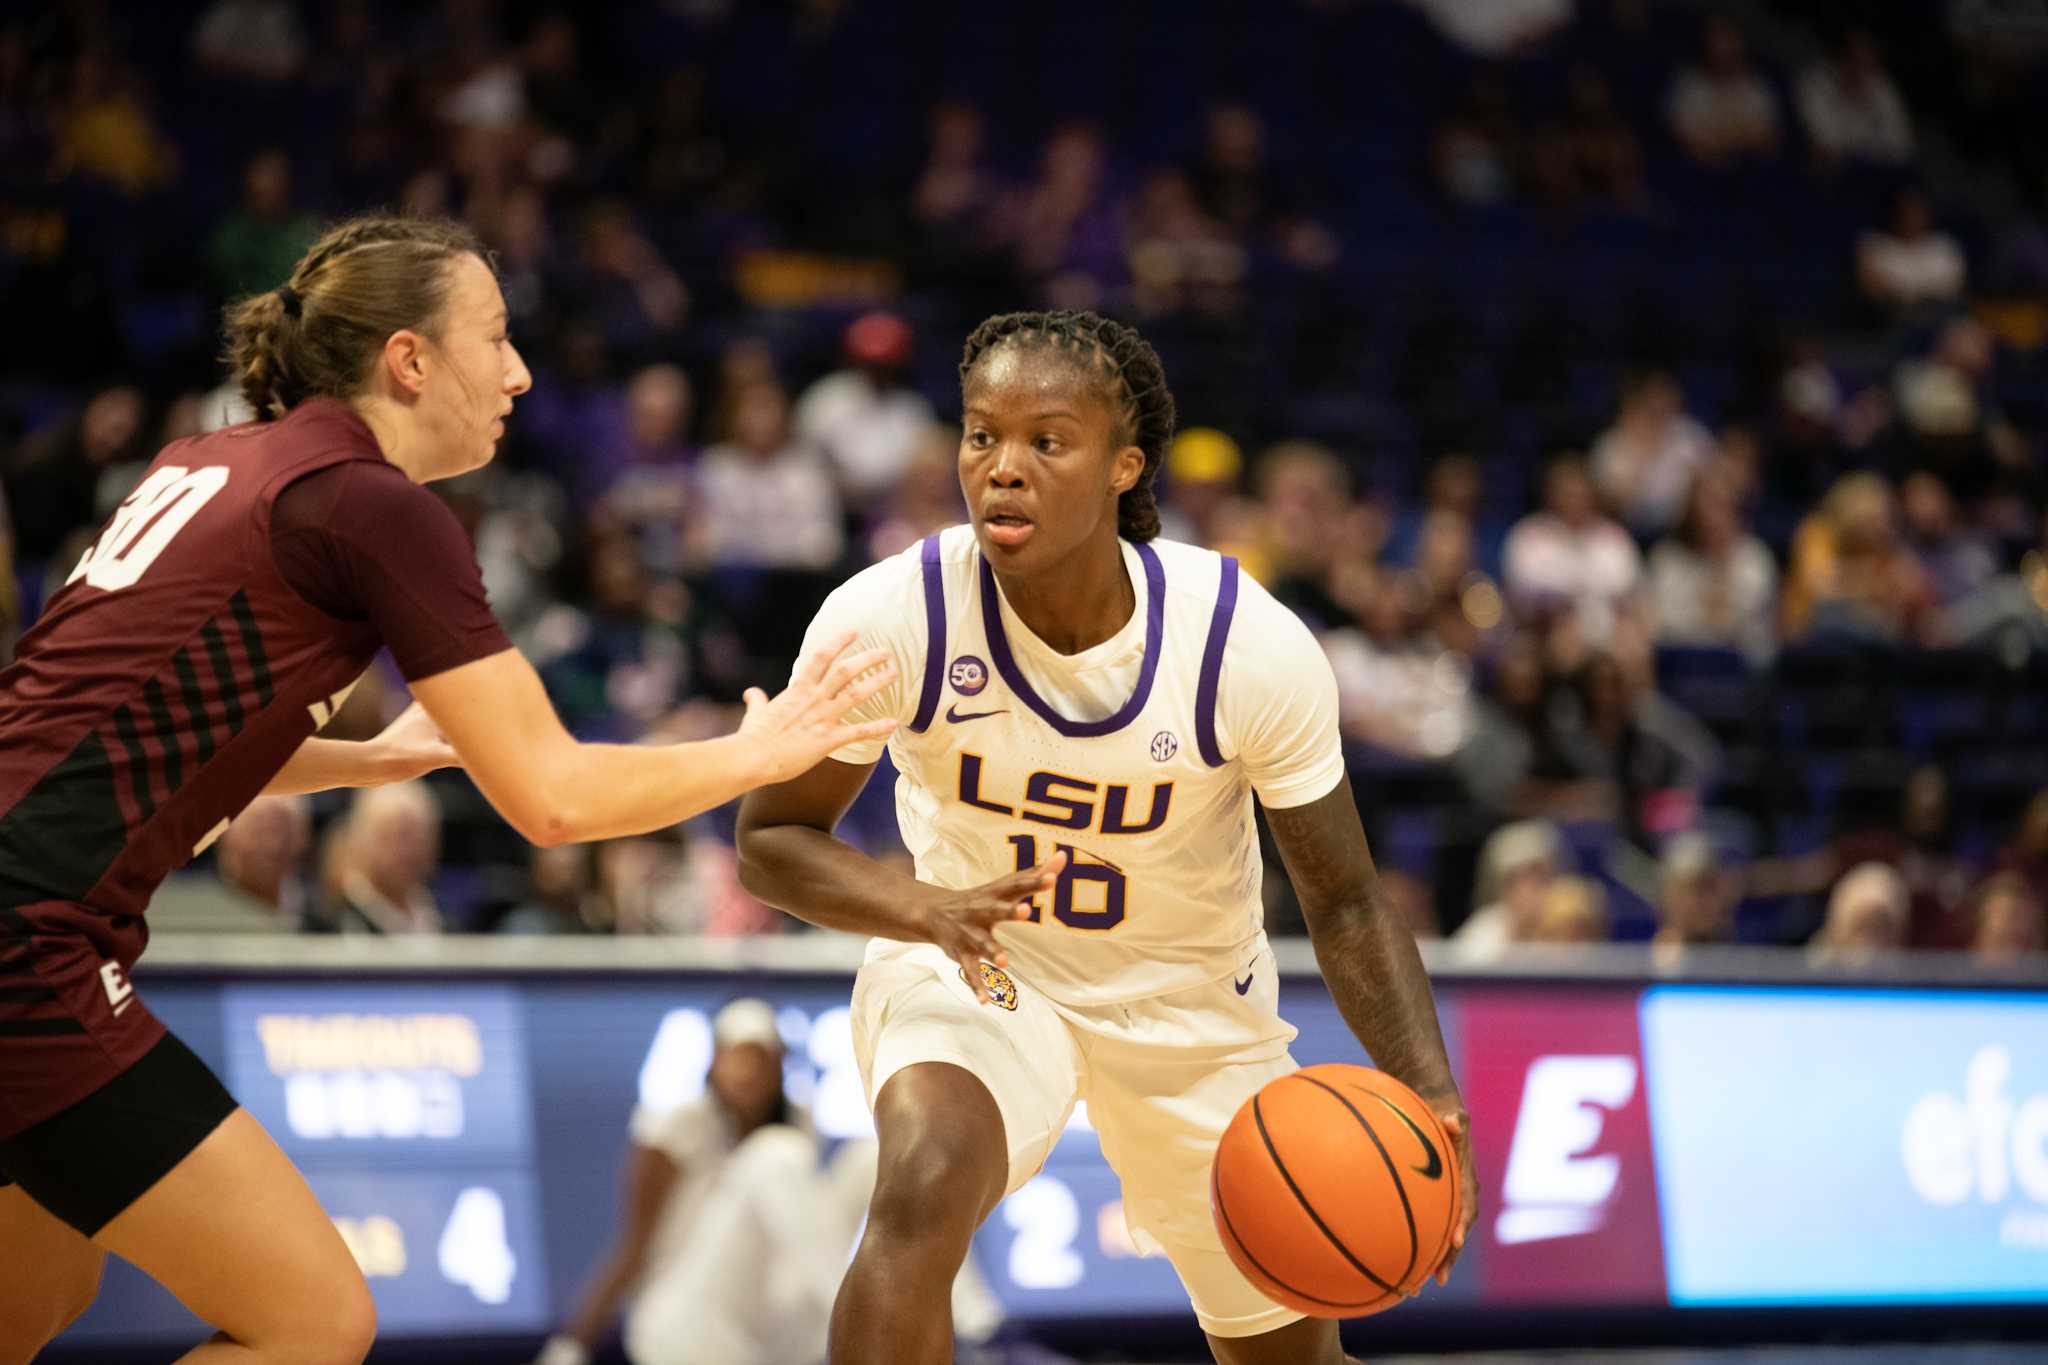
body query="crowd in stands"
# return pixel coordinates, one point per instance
(1646, 409)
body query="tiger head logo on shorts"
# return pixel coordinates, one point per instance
(1001, 989)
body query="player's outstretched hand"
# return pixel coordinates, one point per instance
(807, 721)
(964, 922)
(1450, 1111)
(413, 744)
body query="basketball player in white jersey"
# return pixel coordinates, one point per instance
(1085, 716)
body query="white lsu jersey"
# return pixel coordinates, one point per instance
(1137, 757)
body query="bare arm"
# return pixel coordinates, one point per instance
(790, 859)
(555, 790)
(650, 1177)
(408, 747)
(1370, 963)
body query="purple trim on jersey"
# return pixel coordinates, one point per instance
(935, 635)
(1006, 663)
(1212, 665)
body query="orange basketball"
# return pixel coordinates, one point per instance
(1335, 1190)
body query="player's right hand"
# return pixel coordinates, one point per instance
(806, 722)
(964, 922)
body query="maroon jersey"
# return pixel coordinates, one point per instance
(182, 663)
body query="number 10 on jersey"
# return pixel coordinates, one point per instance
(1107, 915)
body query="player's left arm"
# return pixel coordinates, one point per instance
(1369, 961)
(1277, 711)
(406, 748)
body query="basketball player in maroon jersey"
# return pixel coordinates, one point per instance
(215, 625)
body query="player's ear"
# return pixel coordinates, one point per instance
(405, 360)
(1125, 468)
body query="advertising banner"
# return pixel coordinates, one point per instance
(1826, 1146)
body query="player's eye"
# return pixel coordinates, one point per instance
(978, 438)
(1048, 444)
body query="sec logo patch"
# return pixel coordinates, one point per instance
(1000, 988)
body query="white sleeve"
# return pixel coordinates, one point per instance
(679, 1134)
(1276, 708)
(883, 605)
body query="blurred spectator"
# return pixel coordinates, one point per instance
(1866, 918)
(387, 851)
(260, 885)
(1460, 606)
(529, 267)
(1952, 431)
(1497, 28)
(1199, 498)
(867, 418)
(1060, 230)
(1634, 756)
(926, 499)
(649, 491)
(1606, 156)
(263, 239)
(1850, 578)
(1713, 582)
(107, 131)
(1304, 493)
(615, 668)
(625, 285)
(2027, 853)
(1722, 111)
(2012, 609)
(731, 1244)
(956, 183)
(1851, 109)
(1910, 268)
(1958, 560)
(54, 484)
(765, 500)
(1516, 869)
(1179, 258)
(1647, 460)
(1513, 733)
(2012, 923)
(255, 40)
(559, 894)
(1238, 187)
(1395, 689)
(1696, 896)
(1805, 452)
(1473, 155)
(1569, 557)
(1574, 911)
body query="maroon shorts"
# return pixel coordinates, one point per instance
(70, 1020)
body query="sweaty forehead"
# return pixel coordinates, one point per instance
(1039, 374)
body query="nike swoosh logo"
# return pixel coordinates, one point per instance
(1435, 1169)
(956, 715)
(1244, 985)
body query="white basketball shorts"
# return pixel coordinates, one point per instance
(1162, 1078)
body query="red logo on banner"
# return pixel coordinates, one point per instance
(1561, 1136)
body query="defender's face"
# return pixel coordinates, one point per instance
(1039, 463)
(481, 371)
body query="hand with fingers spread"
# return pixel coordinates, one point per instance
(964, 922)
(1450, 1112)
(806, 722)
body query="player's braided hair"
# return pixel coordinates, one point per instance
(318, 334)
(1134, 383)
